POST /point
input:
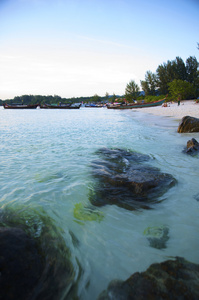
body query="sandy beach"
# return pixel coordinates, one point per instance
(186, 108)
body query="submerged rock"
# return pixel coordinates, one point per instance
(188, 124)
(21, 264)
(192, 146)
(196, 197)
(170, 280)
(157, 236)
(84, 213)
(124, 179)
(122, 154)
(35, 262)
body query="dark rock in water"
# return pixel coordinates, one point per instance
(35, 262)
(115, 154)
(171, 280)
(188, 124)
(192, 146)
(21, 264)
(196, 197)
(157, 236)
(124, 181)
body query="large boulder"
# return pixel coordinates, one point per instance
(170, 280)
(35, 262)
(188, 124)
(124, 179)
(21, 265)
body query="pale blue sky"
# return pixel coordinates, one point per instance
(75, 48)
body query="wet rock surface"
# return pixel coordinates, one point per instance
(192, 147)
(188, 124)
(35, 262)
(157, 236)
(21, 265)
(169, 280)
(124, 179)
(196, 197)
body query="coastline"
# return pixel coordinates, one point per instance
(186, 108)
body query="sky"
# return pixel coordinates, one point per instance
(75, 48)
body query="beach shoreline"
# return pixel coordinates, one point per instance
(173, 110)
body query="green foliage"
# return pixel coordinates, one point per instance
(180, 69)
(162, 79)
(145, 87)
(177, 70)
(149, 85)
(112, 98)
(132, 91)
(183, 89)
(39, 99)
(166, 73)
(154, 98)
(95, 98)
(192, 70)
(107, 96)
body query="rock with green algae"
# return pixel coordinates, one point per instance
(19, 260)
(169, 280)
(157, 236)
(123, 178)
(35, 261)
(84, 213)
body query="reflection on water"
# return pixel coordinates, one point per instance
(45, 163)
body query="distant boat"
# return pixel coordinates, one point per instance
(94, 105)
(136, 105)
(20, 106)
(60, 106)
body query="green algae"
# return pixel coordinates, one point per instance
(59, 275)
(84, 213)
(157, 236)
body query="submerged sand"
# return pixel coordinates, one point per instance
(186, 108)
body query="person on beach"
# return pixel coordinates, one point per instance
(178, 100)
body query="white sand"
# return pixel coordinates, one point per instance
(186, 108)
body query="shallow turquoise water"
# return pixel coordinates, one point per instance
(45, 163)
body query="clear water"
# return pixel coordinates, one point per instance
(45, 162)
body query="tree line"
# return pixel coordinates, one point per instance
(39, 99)
(175, 78)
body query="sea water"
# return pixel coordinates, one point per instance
(46, 158)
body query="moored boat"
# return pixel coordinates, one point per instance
(136, 105)
(94, 105)
(60, 106)
(20, 106)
